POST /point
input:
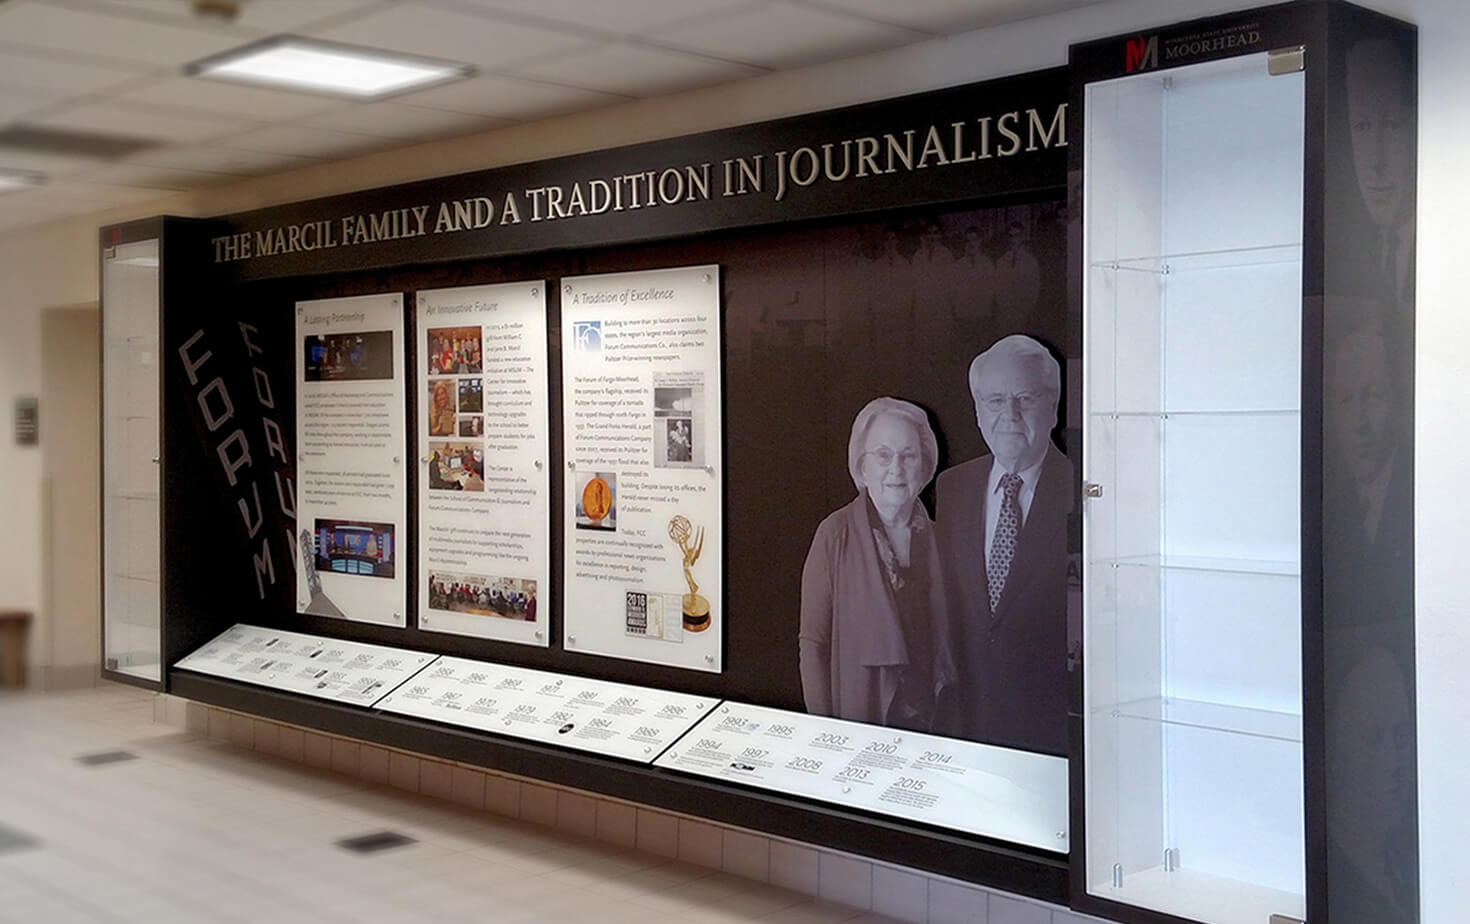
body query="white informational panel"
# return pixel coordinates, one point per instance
(483, 448)
(345, 672)
(614, 719)
(351, 477)
(1011, 795)
(641, 400)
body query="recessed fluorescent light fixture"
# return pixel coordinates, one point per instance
(16, 180)
(293, 63)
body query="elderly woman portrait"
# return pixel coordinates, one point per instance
(874, 632)
(441, 408)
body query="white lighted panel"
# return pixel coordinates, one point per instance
(996, 792)
(346, 672)
(613, 719)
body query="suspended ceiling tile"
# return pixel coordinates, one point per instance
(440, 33)
(623, 17)
(108, 193)
(35, 71)
(404, 122)
(134, 121)
(948, 17)
(780, 36)
(307, 141)
(219, 159)
(635, 70)
(230, 99)
(47, 204)
(18, 209)
(507, 98)
(16, 105)
(110, 37)
(163, 178)
(262, 15)
(53, 165)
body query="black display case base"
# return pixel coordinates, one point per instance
(993, 865)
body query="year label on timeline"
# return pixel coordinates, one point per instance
(854, 773)
(781, 731)
(936, 757)
(805, 763)
(882, 747)
(830, 738)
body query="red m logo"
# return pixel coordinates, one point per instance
(1141, 53)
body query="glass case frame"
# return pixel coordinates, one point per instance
(1192, 564)
(1354, 726)
(131, 280)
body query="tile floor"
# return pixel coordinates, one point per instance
(196, 829)
(111, 811)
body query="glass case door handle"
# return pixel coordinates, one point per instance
(1092, 489)
(155, 460)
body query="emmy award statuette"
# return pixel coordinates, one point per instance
(696, 607)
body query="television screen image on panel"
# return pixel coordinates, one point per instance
(349, 547)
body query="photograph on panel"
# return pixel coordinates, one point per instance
(349, 357)
(456, 467)
(455, 351)
(350, 547)
(482, 595)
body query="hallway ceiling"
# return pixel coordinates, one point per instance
(70, 69)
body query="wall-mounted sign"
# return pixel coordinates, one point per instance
(1000, 138)
(643, 491)
(351, 474)
(27, 421)
(484, 545)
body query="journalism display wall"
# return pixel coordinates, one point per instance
(643, 436)
(484, 500)
(746, 474)
(351, 484)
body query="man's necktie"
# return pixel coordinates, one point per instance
(1003, 546)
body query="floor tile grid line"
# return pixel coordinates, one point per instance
(849, 879)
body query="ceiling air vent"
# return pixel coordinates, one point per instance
(37, 140)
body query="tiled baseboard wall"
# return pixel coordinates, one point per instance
(895, 891)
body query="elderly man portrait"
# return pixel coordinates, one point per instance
(874, 629)
(1002, 528)
(1381, 125)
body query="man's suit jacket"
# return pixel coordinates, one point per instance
(1014, 687)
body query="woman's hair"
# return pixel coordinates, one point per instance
(911, 414)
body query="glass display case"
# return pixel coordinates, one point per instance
(131, 598)
(1193, 230)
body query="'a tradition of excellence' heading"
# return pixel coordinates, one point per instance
(779, 175)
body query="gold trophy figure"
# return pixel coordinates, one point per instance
(696, 607)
